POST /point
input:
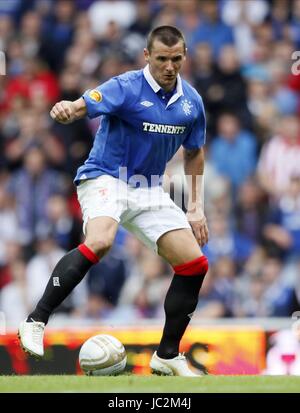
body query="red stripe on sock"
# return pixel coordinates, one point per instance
(198, 266)
(89, 254)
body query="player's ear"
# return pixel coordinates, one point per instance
(146, 54)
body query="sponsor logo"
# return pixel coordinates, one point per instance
(95, 95)
(147, 103)
(168, 129)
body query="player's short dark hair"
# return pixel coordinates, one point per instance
(168, 35)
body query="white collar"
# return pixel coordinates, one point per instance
(155, 86)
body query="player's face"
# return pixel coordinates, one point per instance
(165, 62)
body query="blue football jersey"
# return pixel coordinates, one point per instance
(141, 128)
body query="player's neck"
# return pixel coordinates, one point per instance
(170, 88)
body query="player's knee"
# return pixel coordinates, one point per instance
(100, 245)
(199, 266)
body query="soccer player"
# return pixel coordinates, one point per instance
(146, 116)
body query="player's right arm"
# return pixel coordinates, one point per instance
(107, 98)
(67, 111)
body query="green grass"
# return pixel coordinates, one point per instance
(151, 384)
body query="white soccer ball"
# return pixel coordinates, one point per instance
(102, 355)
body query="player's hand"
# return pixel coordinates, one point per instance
(63, 112)
(198, 223)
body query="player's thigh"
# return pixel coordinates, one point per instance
(100, 234)
(102, 201)
(104, 196)
(166, 231)
(178, 246)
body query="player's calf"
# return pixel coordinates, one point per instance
(68, 272)
(180, 304)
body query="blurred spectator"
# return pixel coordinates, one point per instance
(14, 8)
(75, 138)
(31, 187)
(265, 293)
(142, 22)
(251, 210)
(41, 265)
(35, 78)
(121, 12)
(145, 289)
(30, 33)
(204, 73)
(88, 57)
(279, 17)
(12, 252)
(286, 101)
(39, 269)
(8, 222)
(166, 13)
(105, 281)
(217, 190)
(15, 57)
(259, 101)
(233, 151)
(283, 227)
(211, 28)
(188, 17)
(250, 300)
(221, 86)
(29, 127)
(216, 296)
(6, 31)
(13, 286)
(278, 295)
(295, 23)
(66, 230)
(57, 33)
(14, 296)
(20, 131)
(224, 241)
(243, 16)
(283, 358)
(279, 159)
(232, 86)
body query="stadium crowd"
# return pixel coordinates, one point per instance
(240, 61)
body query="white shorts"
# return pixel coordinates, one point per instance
(148, 213)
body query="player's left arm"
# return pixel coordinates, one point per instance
(194, 171)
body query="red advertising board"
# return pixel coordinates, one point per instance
(219, 350)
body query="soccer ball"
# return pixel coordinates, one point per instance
(102, 355)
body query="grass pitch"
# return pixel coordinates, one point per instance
(149, 384)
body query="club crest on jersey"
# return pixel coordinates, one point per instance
(95, 95)
(187, 106)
